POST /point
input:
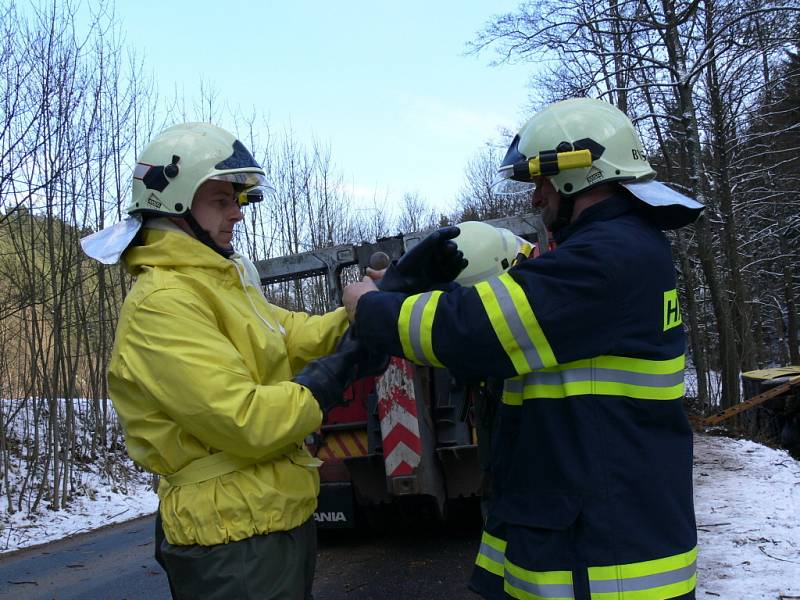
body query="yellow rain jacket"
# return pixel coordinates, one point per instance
(202, 364)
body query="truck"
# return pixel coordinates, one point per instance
(405, 442)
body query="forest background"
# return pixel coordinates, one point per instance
(713, 86)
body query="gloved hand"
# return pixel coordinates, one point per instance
(328, 376)
(433, 261)
(369, 363)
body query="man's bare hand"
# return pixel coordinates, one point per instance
(353, 292)
(375, 274)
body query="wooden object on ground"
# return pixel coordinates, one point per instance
(751, 402)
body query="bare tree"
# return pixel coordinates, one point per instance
(415, 215)
(63, 148)
(483, 196)
(683, 72)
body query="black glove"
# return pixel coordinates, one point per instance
(370, 364)
(433, 261)
(328, 376)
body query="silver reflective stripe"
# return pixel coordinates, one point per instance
(610, 375)
(492, 554)
(515, 324)
(515, 386)
(646, 582)
(544, 590)
(415, 326)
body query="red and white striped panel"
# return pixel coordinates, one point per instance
(397, 411)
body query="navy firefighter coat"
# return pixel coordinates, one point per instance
(592, 465)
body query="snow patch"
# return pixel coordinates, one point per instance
(748, 525)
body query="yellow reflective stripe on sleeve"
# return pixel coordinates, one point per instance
(415, 327)
(603, 375)
(403, 324)
(515, 324)
(529, 319)
(426, 328)
(500, 327)
(649, 580)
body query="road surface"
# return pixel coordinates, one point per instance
(116, 563)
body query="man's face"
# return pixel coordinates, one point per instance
(547, 200)
(216, 210)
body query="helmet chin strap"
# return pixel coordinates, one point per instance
(203, 235)
(565, 209)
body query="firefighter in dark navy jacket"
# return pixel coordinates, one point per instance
(592, 464)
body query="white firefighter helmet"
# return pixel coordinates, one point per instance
(579, 124)
(550, 143)
(177, 162)
(489, 250)
(168, 173)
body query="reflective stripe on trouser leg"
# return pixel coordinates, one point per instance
(649, 580)
(657, 579)
(519, 582)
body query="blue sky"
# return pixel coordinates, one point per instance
(387, 85)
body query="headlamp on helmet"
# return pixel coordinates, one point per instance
(254, 194)
(546, 163)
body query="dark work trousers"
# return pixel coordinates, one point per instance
(159, 558)
(277, 566)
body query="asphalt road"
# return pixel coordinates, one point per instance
(112, 563)
(116, 563)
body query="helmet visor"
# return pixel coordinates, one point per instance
(245, 179)
(250, 186)
(502, 185)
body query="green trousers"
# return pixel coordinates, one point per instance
(278, 566)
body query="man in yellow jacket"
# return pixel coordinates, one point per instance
(215, 387)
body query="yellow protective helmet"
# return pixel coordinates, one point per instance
(178, 160)
(549, 144)
(489, 250)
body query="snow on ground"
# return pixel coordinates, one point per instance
(747, 502)
(105, 489)
(103, 502)
(747, 499)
